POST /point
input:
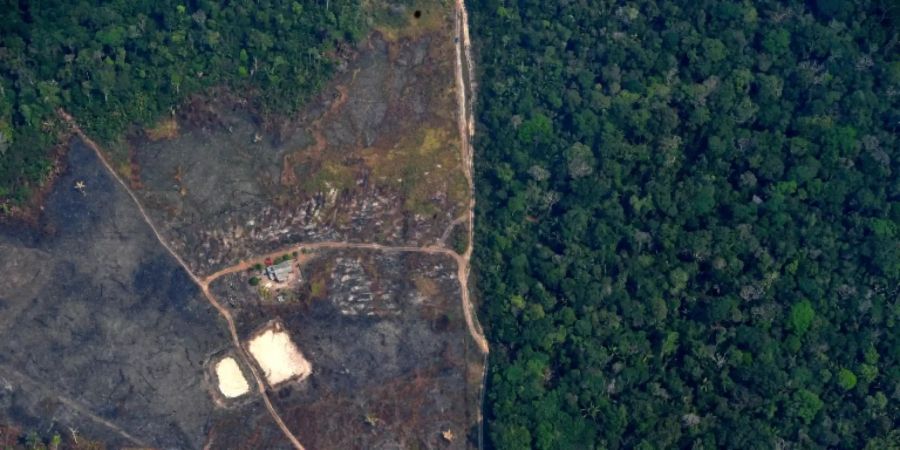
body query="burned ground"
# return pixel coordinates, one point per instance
(374, 158)
(393, 365)
(103, 331)
(96, 319)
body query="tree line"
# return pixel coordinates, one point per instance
(116, 64)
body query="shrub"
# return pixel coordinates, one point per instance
(802, 315)
(847, 379)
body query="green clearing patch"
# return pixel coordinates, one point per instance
(409, 20)
(331, 175)
(165, 128)
(118, 154)
(421, 166)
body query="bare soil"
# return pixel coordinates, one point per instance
(232, 383)
(277, 355)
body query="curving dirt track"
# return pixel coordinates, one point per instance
(466, 130)
(204, 287)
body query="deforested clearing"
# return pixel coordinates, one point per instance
(278, 357)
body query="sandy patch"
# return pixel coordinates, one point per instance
(166, 129)
(278, 356)
(231, 381)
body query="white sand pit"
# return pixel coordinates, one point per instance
(277, 356)
(231, 381)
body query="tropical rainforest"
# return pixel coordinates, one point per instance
(116, 64)
(689, 223)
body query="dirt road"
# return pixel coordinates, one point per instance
(462, 264)
(204, 287)
(466, 130)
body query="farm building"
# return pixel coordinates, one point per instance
(280, 272)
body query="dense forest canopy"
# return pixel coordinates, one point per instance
(113, 64)
(688, 223)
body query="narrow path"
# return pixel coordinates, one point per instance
(466, 130)
(203, 286)
(443, 239)
(20, 378)
(261, 387)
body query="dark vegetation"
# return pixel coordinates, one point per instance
(119, 63)
(688, 223)
(17, 439)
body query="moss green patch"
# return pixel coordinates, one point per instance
(332, 175)
(411, 20)
(118, 154)
(421, 166)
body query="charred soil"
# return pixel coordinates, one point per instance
(393, 364)
(102, 332)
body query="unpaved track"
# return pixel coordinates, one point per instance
(462, 264)
(443, 239)
(22, 379)
(466, 131)
(204, 287)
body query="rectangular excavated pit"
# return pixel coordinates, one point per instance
(277, 355)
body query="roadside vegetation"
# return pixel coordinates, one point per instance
(126, 63)
(688, 223)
